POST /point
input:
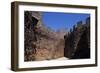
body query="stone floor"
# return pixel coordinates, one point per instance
(62, 58)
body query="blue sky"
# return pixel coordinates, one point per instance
(56, 20)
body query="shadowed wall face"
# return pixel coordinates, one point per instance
(77, 42)
(82, 51)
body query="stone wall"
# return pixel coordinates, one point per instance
(41, 43)
(78, 37)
